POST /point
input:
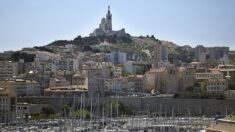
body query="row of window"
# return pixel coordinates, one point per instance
(216, 83)
(22, 108)
(3, 95)
(5, 66)
(5, 75)
(6, 70)
(206, 75)
(215, 88)
(188, 73)
(3, 99)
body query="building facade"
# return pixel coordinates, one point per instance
(116, 57)
(8, 69)
(164, 80)
(66, 91)
(7, 105)
(138, 82)
(23, 87)
(216, 86)
(200, 54)
(187, 78)
(160, 58)
(96, 78)
(116, 84)
(213, 82)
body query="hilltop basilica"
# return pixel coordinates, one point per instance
(105, 27)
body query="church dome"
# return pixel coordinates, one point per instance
(103, 20)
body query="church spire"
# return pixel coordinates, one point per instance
(109, 20)
(109, 15)
(108, 10)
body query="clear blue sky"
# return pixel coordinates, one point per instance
(27, 23)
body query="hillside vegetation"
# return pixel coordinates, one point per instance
(142, 46)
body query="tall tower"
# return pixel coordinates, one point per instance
(109, 20)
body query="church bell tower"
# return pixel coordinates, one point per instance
(109, 20)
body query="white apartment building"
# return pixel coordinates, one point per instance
(117, 57)
(117, 71)
(43, 66)
(216, 86)
(68, 64)
(45, 56)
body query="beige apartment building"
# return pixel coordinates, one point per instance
(215, 81)
(187, 78)
(80, 78)
(22, 87)
(116, 84)
(66, 91)
(7, 104)
(164, 80)
(79, 85)
(97, 74)
(169, 80)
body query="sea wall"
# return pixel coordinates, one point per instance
(161, 106)
(192, 107)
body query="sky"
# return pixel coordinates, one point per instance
(28, 23)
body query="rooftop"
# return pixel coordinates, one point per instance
(1, 89)
(6, 90)
(162, 69)
(19, 80)
(69, 88)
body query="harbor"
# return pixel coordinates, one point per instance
(120, 124)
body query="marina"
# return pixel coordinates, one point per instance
(121, 124)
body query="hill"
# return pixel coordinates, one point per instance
(125, 43)
(142, 46)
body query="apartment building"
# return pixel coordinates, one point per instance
(216, 86)
(137, 81)
(8, 69)
(7, 104)
(214, 80)
(165, 80)
(116, 84)
(22, 87)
